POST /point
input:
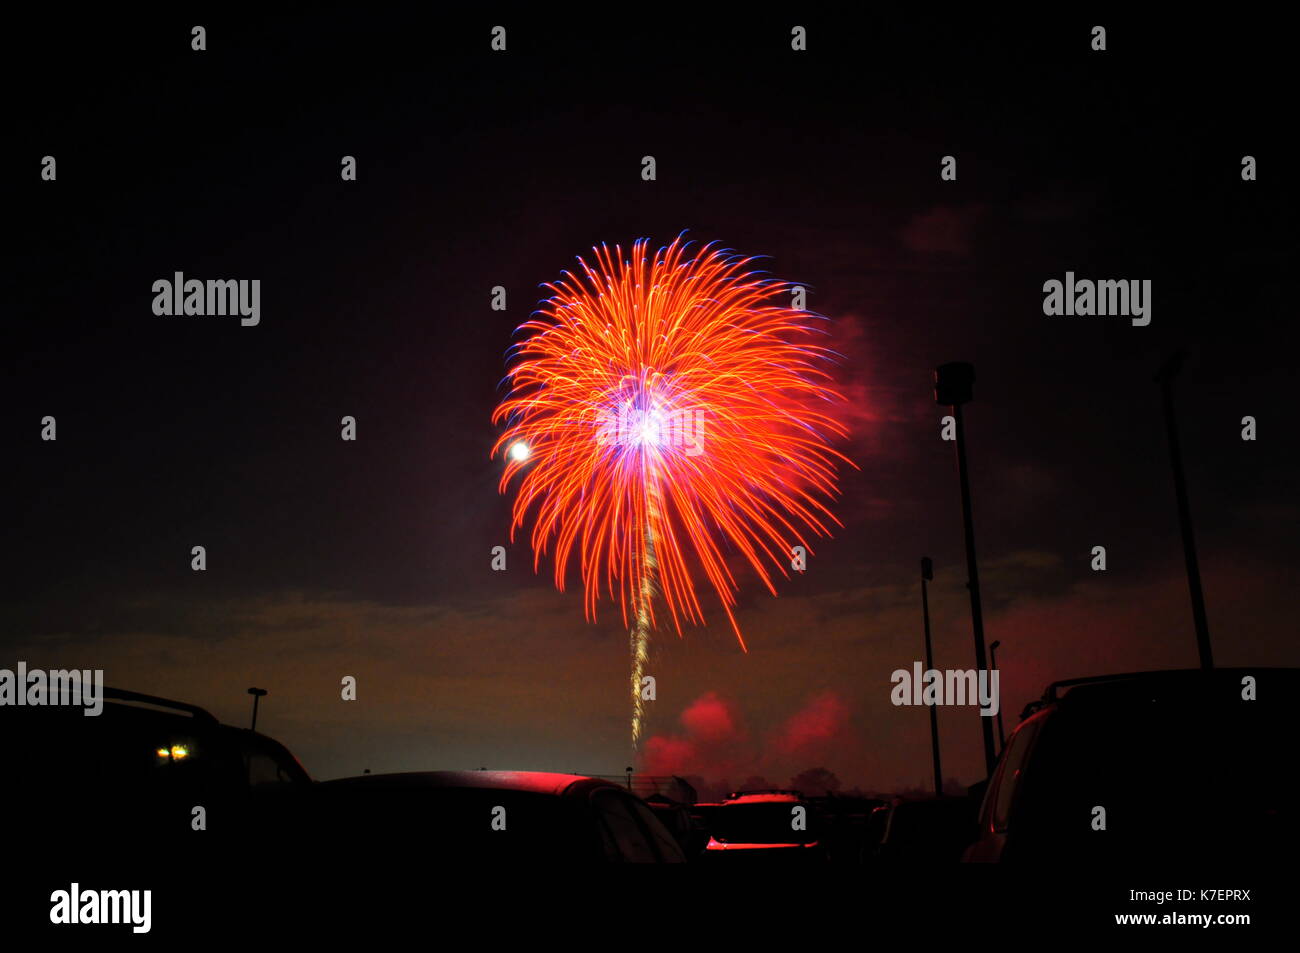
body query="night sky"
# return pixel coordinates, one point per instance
(475, 169)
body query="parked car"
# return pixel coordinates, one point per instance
(468, 818)
(134, 774)
(780, 826)
(689, 833)
(1189, 765)
(846, 824)
(933, 830)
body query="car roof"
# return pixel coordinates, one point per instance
(179, 714)
(156, 704)
(536, 782)
(264, 741)
(767, 797)
(1104, 689)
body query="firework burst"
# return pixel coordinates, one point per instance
(663, 409)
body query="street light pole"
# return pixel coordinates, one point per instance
(927, 573)
(953, 385)
(257, 694)
(1165, 378)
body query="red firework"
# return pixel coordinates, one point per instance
(662, 408)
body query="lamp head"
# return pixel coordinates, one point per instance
(954, 383)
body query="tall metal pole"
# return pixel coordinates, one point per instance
(1165, 378)
(257, 694)
(953, 386)
(927, 573)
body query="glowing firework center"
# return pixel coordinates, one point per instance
(651, 424)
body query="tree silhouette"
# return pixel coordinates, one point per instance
(815, 782)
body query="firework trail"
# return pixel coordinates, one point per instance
(660, 407)
(641, 630)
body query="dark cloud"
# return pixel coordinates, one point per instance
(943, 229)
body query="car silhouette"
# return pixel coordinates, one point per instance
(480, 817)
(1185, 765)
(928, 830)
(135, 773)
(781, 826)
